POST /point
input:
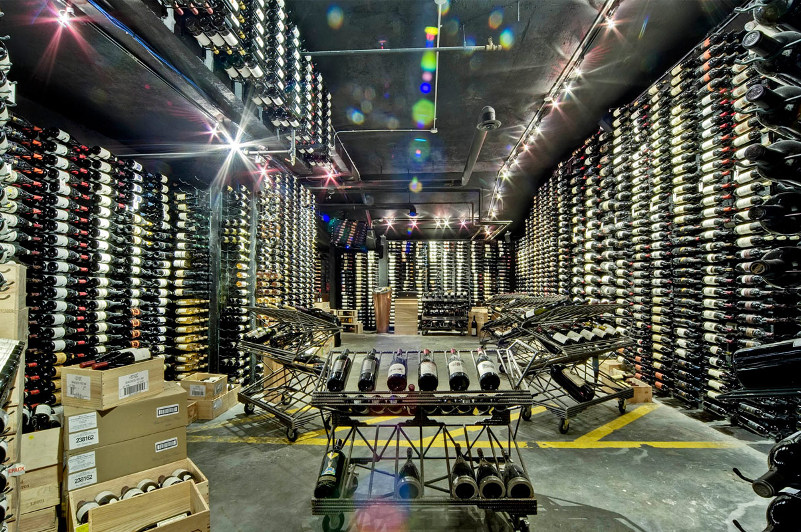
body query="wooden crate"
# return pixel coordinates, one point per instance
(45, 520)
(101, 390)
(406, 315)
(643, 393)
(191, 411)
(116, 485)
(138, 512)
(14, 296)
(355, 327)
(198, 389)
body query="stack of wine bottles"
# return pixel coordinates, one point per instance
(256, 45)
(94, 232)
(269, 246)
(686, 215)
(781, 483)
(188, 348)
(235, 282)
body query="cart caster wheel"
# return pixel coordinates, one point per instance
(525, 413)
(286, 399)
(564, 426)
(521, 525)
(249, 409)
(291, 434)
(333, 523)
(621, 406)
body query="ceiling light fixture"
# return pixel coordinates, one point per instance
(65, 15)
(551, 100)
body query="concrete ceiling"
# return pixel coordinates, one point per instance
(380, 91)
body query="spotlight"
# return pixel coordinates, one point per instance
(412, 211)
(234, 146)
(65, 15)
(610, 22)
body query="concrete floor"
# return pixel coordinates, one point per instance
(653, 469)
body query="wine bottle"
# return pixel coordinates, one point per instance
(457, 378)
(397, 374)
(784, 463)
(518, 485)
(780, 267)
(340, 370)
(488, 377)
(490, 484)
(463, 480)
(369, 372)
(408, 484)
(427, 377)
(330, 477)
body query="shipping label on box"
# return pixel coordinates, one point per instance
(205, 385)
(89, 428)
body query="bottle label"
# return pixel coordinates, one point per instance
(428, 368)
(455, 366)
(397, 369)
(486, 368)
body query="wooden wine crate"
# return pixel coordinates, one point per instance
(198, 389)
(406, 315)
(354, 327)
(45, 520)
(104, 389)
(211, 408)
(14, 294)
(14, 323)
(41, 453)
(643, 393)
(191, 411)
(138, 512)
(12, 500)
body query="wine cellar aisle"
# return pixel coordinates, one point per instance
(280, 265)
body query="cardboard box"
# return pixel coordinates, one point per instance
(14, 294)
(103, 389)
(39, 489)
(85, 468)
(45, 520)
(211, 408)
(86, 429)
(191, 412)
(198, 389)
(14, 323)
(138, 512)
(41, 449)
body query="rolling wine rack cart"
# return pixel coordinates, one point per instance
(510, 319)
(292, 362)
(431, 424)
(539, 358)
(444, 312)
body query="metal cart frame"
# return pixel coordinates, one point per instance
(491, 413)
(285, 389)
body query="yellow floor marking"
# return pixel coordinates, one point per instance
(277, 440)
(608, 428)
(592, 444)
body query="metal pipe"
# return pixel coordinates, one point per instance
(481, 48)
(472, 156)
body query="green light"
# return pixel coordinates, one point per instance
(429, 61)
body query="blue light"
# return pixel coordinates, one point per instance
(425, 88)
(325, 218)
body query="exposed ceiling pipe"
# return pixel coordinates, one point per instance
(486, 122)
(489, 47)
(436, 65)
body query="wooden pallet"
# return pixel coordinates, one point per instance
(355, 327)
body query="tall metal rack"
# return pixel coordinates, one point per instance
(433, 422)
(292, 362)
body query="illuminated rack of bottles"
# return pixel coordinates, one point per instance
(188, 350)
(257, 46)
(95, 233)
(661, 217)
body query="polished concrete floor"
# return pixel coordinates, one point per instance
(655, 468)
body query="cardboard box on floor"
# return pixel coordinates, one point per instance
(39, 487)
(101, 390)
(86, 429)
(211, 408)
(85, 468)
(138, 512)
(205, 385)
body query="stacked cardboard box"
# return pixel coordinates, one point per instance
(122, 426)
(211, 393)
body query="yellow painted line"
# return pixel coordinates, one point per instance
(275, 440)
(591, 444)
(620, 422)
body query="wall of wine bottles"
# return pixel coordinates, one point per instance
(682, 211)
(358, 277)
(256, 44)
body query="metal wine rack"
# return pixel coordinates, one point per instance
(375, 448)
(376, 451)
(291, 370)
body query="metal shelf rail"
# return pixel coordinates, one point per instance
(444, 312)
(292, 365)
(426, 428)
